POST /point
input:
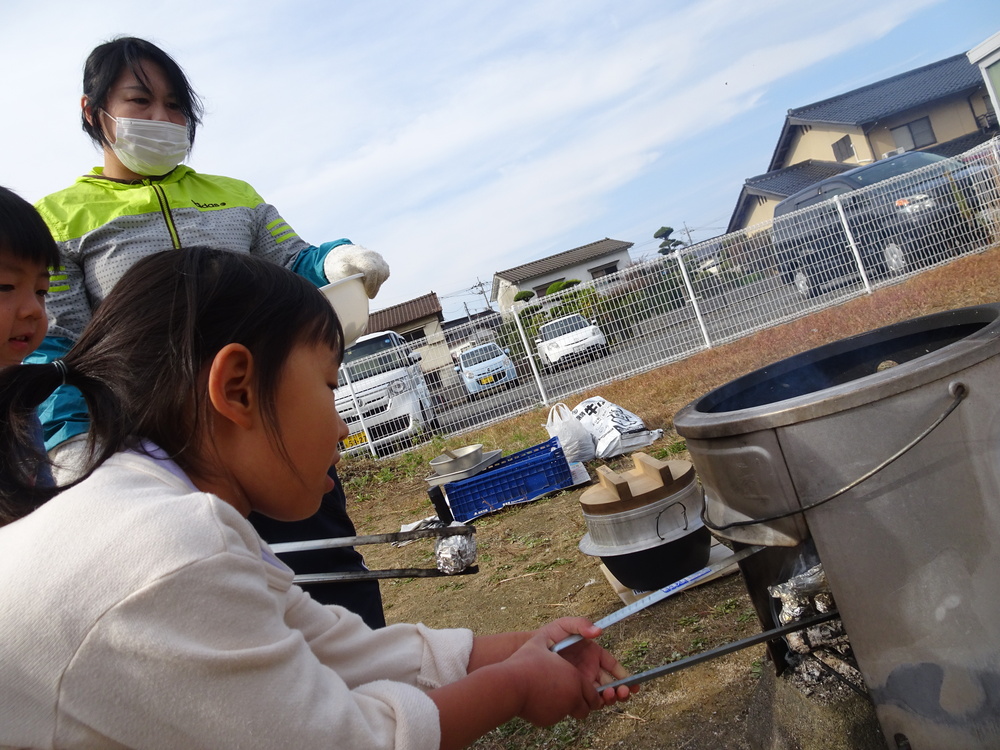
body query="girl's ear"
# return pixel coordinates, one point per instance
(231, 387)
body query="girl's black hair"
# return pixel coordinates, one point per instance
(23, 233)
(141, 362)
(108, 61)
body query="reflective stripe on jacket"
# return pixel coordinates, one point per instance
(103, 227)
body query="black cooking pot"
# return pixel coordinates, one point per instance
(659, 566)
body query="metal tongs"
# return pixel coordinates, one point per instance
(658, 596)
(369, 575)
(675, 588)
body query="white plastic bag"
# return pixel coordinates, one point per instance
(615, 430)
(576, 441)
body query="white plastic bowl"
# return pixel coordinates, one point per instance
(350, 302)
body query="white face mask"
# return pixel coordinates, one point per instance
(149, 147)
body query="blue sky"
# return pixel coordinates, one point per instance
(463, 138)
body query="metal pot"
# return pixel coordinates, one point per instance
(645, 524)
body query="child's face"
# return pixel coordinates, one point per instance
(310, 429)
(23, 287)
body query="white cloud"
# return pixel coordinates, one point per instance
(463, 138)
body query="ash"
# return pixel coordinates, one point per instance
(820, 662)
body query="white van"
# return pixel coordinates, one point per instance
(382, 394)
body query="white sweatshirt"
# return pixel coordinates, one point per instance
(138, 612)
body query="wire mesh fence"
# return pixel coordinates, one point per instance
(827, 249)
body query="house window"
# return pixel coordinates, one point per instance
(843, 149)
(988, 120)
(916, 134)
(540, 290)
(610, 268)
(412, 337)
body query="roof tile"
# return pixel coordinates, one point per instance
(580, 254)
(397, 316)
(784, 182)
(869, 104)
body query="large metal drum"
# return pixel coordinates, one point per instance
(911, 552)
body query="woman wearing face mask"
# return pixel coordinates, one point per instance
(140, 110)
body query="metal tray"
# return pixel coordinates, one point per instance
(489, 458)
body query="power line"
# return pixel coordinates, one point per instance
(460, 293)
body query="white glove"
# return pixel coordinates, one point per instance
(69, 459)
(348, 260)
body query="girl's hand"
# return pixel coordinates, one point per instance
(592, 660)
(516, 674)
(565, 684)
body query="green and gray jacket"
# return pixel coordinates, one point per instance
(104, 226)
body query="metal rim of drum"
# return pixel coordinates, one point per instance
(704, 419)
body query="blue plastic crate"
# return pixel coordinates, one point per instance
(517, 478)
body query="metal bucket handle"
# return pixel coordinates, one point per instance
(956, 389)
(664, 510)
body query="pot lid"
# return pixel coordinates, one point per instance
(649, 481)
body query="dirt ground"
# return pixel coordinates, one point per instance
(531, 571)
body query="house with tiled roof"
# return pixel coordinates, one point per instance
(583, 263)
(939, 107)
(412, 319)
(420, 322)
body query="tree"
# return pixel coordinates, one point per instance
(558, 286)
(668, 244)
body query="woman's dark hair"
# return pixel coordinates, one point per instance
(23, 233)
(107, 62)
(140, 363)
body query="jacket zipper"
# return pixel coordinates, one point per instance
(161, 196)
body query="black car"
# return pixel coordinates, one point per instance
(894, 224)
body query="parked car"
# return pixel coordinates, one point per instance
(895, 223)
(569, 339)
(382, 386)
(485, 367)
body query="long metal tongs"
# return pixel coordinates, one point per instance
(657, 596)
(370, 575)
(718, 651)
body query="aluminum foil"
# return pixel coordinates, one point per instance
(455, 553)
(797, 594)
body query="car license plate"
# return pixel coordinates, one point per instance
(354, 440)
(486, 381)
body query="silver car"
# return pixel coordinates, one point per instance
(486, 367)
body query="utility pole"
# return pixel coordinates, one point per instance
(687, 232)
(481, 288)
(468, 316)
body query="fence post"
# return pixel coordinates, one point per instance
(527, 353)
(995, 147)
(853, 244)
(694, 299)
